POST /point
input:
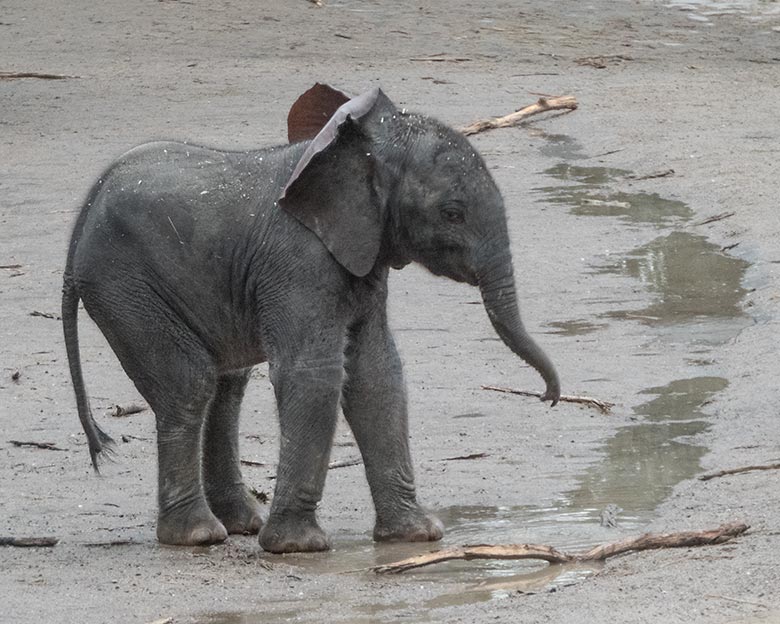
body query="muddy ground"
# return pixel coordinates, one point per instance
(634, 296)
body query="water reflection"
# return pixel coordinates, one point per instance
(643, 462)
(690, 278)
(591, 197)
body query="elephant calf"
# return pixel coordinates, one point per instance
(197, 264)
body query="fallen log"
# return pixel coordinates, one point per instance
(543, 105)
(648, 541)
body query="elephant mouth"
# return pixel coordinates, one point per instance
(448, 262)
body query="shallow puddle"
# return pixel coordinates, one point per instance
(591, 195)
(643, 462)
(696, 289)
(690, 278)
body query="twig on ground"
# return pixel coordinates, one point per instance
(650, 176)
(601, 62)
(436, 58)
(345, 463)
(46, 446)
(45, 315)
(28, 542)
(738, 600)
(731, 471)
(648, 541)
(251, 462)
(717, 217)
(545, 104)
(4, 75)
(124, 542)
(603, 406)
(126, 410)
(10, 266)
(471, 456)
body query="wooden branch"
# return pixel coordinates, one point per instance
(476, 551)
(717, 217)
(28, 542)
(4, 75)
(647, 541)
(731, 471)
(345, 463)
(46, 446)
(545, 104)
(603, 406)
(653, 541)
(126, 410)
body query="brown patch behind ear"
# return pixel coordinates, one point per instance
(334, 189)
(334, 196)
(312, 110)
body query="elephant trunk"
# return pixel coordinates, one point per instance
(497, 285)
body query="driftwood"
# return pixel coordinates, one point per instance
(648, 541)
(4, 75)
(545, 104)
(126, 410)
(731, 471)
(603, 406)
(717, 217)
(345, 463)
(28, 542)
(479, 455)
(46, 446)
(45, 315)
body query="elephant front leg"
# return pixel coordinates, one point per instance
(307, 395)
(228, 497)
(374, 402)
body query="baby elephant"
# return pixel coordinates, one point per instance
(197, 264)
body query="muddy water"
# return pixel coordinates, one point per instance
(695, 292)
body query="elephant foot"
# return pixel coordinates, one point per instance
(197, 527)
(413, 526)
(289, 533)
(238, 511)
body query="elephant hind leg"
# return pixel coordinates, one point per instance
(175, 374)
(228, 497)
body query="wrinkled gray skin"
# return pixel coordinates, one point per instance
(193, 271)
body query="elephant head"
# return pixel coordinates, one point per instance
(381, 186)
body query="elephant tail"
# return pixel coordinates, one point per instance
(99, 441)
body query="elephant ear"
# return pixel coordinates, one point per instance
(312, 110)
(334, 189)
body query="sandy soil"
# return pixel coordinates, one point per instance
(624, 285)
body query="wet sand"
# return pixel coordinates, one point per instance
(636, 296)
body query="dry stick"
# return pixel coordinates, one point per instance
(13, 75)
(731, 471)
(28, 542)
(647, 541)
(603, 406)
(717, 217)
(46, 446)
(345, 463)
(126, 410)
(562, 102)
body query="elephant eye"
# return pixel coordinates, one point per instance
(452, 214)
